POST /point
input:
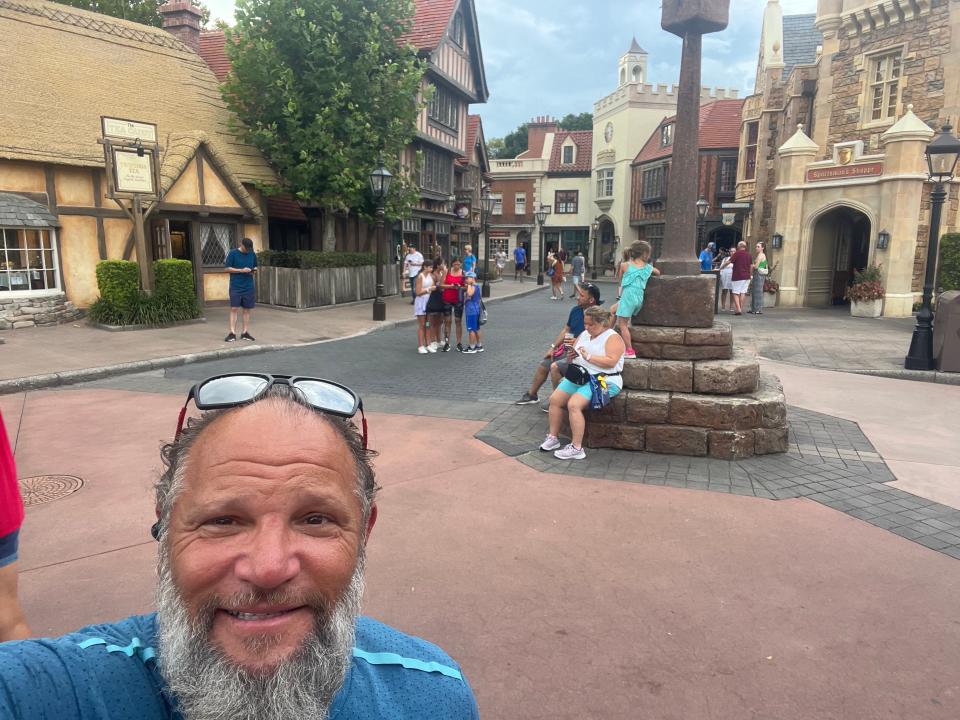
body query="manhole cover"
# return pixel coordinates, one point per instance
(47, 488)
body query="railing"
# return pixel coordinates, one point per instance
(300, 289)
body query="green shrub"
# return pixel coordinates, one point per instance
(119, 282)
(175, 292)
(311, 259)
(949, 272)
(174, 299)
(867, 285)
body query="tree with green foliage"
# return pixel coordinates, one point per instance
(145, 12)
(583, 121)
(324, 88)
(514, 143)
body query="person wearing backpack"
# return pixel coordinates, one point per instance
(472, 308)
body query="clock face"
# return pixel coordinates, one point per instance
(608, 132)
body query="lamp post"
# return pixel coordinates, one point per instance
(942, 155)
(594, 228)
(541, 217)
(703, 207)
(380, 180)
(487, 201)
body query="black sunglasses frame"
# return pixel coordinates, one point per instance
(271, 380)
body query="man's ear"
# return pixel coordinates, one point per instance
(371, 521)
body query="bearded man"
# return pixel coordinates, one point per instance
(263, 515)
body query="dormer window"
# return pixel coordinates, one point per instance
(457, 33)
(568, 154)
(666, 135)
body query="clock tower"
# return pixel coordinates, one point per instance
(633, 65)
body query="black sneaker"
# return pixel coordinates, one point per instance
(230, 338)
(445, 348)
(528, 399)
(248, 336)
(459, 347)
(479, 348)
(470, 351)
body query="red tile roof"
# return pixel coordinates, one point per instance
(284, 207)
(212, 50)
(583, 157)
(719, 128)
(430, 20)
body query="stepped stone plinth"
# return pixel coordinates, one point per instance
(690, 391)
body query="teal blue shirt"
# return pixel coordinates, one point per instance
(236, 258)
(110, 672)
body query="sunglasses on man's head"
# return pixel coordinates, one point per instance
(236, 389)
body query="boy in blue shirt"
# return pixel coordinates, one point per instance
(241, 263)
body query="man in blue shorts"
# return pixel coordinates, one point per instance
(241, 263)
(519, 262)
(554, 363)
(264, 511)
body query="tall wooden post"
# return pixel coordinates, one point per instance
(144, 256)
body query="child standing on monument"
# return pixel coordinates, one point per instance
(634, 282)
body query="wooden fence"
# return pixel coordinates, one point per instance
(295, 288)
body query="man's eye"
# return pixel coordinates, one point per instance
(221, 521)
(316, 519)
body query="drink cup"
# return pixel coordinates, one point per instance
(568, 340)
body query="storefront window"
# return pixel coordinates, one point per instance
(27, 260)
(216, 240)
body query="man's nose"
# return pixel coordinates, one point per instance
(271, 558)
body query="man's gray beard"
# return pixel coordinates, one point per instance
(207, 685)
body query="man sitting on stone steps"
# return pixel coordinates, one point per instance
(588, 295)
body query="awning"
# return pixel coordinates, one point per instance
(17, 211)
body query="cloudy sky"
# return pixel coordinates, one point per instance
(553, 57)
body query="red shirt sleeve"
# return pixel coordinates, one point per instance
(11, 505)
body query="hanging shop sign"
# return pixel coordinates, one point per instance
(729, 218)
(133, 171)
(129, 130)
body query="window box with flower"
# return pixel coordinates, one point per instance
(866, 292)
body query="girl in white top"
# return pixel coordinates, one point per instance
(600, 350)
(422, 290)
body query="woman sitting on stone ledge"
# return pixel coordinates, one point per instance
(598, 351)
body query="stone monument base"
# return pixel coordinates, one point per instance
(690, 392)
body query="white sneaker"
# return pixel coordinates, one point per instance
(551, 443)
(432, 347)
(422, 350)
(570, 453)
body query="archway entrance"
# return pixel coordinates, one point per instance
(725, 237)
(841, 244)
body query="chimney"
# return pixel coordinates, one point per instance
(537, 131)
(182, 19)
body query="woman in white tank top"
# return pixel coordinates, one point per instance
(600, 350)
(422, 288)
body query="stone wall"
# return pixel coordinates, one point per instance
(29, 312)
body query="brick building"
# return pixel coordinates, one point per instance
(832, 141)
(719, 145)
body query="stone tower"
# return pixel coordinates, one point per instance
(633, 65)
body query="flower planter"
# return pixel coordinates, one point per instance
(769, 300)
(866, 308)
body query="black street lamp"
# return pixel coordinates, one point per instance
(594, 227)
(703, 207)
(541, 217)
(942, 155)
(487, 202)
(380, 180)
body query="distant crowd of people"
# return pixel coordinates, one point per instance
(740, 273)
(445, 297)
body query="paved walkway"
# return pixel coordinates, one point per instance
(43, 357)
(43, 353)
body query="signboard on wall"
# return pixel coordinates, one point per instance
(120, 129)
(133, 172)
(845, 172)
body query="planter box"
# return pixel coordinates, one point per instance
(868, 309)
(301, 289)
(769, 300)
